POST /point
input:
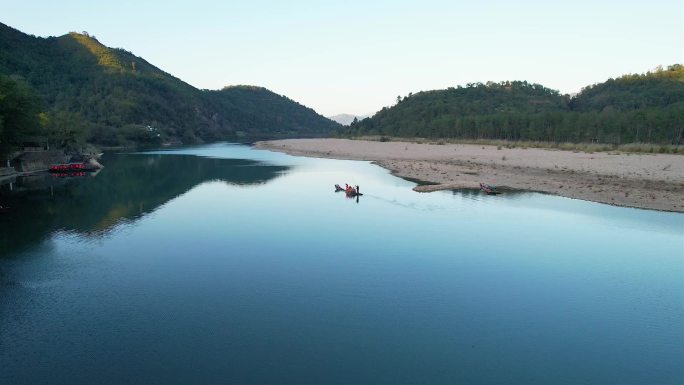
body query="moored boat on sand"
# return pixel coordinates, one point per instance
(491, 190)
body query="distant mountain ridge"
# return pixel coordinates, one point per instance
(115, 95)
(347, 119)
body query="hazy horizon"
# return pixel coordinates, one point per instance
(355, 58)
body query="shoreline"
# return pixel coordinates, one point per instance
(647, 181)
(17, 174)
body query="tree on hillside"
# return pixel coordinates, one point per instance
(67, 129)
(19, 108)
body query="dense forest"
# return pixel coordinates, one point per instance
(74, 89)
(632, 108)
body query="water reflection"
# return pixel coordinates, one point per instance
(129, 187)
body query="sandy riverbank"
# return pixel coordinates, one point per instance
(653, 181)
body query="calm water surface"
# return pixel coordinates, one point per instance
(223, 264)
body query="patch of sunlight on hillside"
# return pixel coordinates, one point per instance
(105, 56)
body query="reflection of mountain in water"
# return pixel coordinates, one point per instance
(129, 187)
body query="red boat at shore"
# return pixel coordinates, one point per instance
(72, 167)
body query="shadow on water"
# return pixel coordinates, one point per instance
(129, 187)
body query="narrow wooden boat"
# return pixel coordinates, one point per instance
(491, 190)
(352, 193)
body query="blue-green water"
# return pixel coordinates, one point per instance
(223, 264)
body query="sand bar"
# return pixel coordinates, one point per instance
(652, 181)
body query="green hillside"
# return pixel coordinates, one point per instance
(257, 110)
(632, 108)
(657, 89)
(114, 95)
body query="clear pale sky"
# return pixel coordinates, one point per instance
(357, 56)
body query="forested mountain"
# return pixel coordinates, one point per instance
(253, 110)
(110, 96)
(632, 108)
(656, 89)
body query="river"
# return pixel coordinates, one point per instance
(225, 264)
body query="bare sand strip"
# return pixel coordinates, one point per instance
(652, 181)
